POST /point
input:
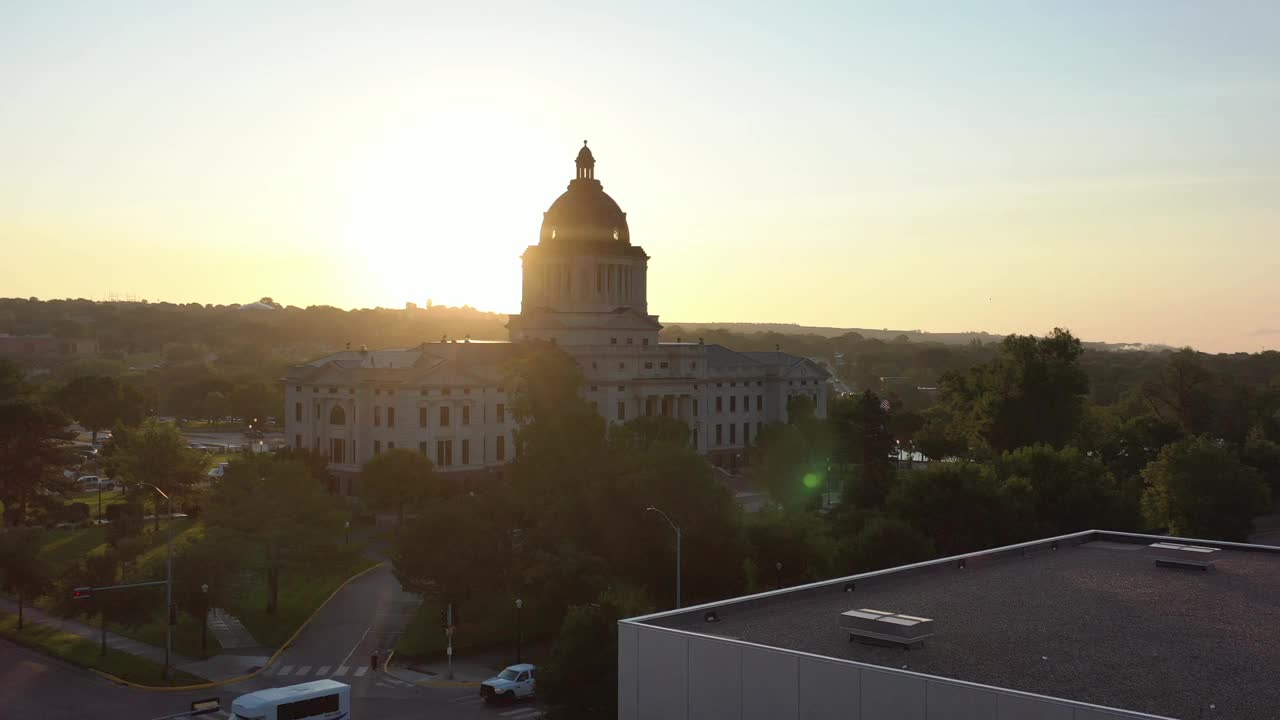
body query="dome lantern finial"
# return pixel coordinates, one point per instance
(586, 163)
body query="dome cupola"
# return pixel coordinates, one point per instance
(585, 215)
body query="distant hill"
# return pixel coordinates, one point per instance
(946, 338)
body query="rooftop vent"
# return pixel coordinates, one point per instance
(885, 628)
(1183, 557)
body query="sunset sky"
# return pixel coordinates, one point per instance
(1111, 167)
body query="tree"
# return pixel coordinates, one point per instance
(883, 542)
(98, 402)
(33, 451)
(797, 540)
(1033, 392)
(863, 441)
(958, 506)
(204, 577)
(399, 479)
(21, 571)
(456, 548)
(274, 512)
(1199, 488)
(1183, 394)
(1060, 491)
(579, 681)
(155, 453)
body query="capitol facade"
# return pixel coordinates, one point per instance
(584, 288)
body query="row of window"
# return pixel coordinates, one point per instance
(733, 404)
(444, 449)
(733, 433)
(389, 391)
(337, 416)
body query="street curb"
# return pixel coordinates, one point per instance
(267, 664)
(427, 683)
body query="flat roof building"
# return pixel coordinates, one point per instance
(1090, 626)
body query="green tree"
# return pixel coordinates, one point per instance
(33, 451)
(796, 540)
(1183, 393)
(398, 479)
(22, 573)
(883, 542)
(205, 576)
(155, 453)
(579, 681)
(863, 443)
(1199, 488)
(273, 512)
(1060, 491)
(98, 402)
(959, 507)
(1033, 392)
(456, 549)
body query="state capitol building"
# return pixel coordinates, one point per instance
(584, 288)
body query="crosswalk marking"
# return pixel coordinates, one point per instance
(521, 713)
(324, 670)
(342, 670)
(360, 671)
(285, 670)
(305, 669)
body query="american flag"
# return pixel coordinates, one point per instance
(884, 405)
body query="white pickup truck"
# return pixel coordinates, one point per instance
(512, 684)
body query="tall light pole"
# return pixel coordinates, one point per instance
(519, 632)
(677, 529)
(204, 620)
(168, 584)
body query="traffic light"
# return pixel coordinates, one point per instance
(82, 593)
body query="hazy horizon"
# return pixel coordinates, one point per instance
(1004, 168)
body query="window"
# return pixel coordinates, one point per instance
(391, 417)
(466, 451)
(631, 341)
(317, 409)
(297, 412)
(649, 405)
(622, 410)
(315, 389)
(337, 450)
(648, 366)
(594, 388)
(613, 341)
(719, 437)
(337, 416)
(695, 407)
(759, 402)
(593, 364)
(746, 403)
(308, 708)
(297, 441)
(422, 448)
(422, 417)
(645, 341)
(391, 444)
(466, 391)
(733, 403)
(733, 433)
(377, 446)
(444, 453)
(622, 366)
(664, 365)
(719, 404)
(695, 364)
(501, 449)
(746, 433)
(446, 391)
(502, 412)
(298, 388)
(444, 416)
(377, 415)
(466, 414)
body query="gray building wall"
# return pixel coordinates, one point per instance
(666, 674)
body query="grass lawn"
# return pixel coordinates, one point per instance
(486, 625)
(86, 653)
(301, 592)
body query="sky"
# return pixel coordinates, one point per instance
(1110, 167)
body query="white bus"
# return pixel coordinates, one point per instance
(318, 700)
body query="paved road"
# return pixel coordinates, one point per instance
(365, 615)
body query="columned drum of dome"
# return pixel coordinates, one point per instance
(584, 260)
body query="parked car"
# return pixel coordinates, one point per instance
(94, 482)
(218, 471)
(514, 683)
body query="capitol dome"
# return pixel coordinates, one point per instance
(584, 215)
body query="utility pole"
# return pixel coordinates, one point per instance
(168, 585)
(678, 534)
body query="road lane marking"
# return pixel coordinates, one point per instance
(357, 645)
(285, 670)
(304, 670)
(324, 670)
(360, 671)
(520, 713)
(342, 670)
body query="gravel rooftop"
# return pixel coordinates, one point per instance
(1096, 622)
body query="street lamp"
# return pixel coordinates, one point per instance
(673, 527)
(204, 620)
(347, 526)
(519, 632)
(778, 566)
(168, 584)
